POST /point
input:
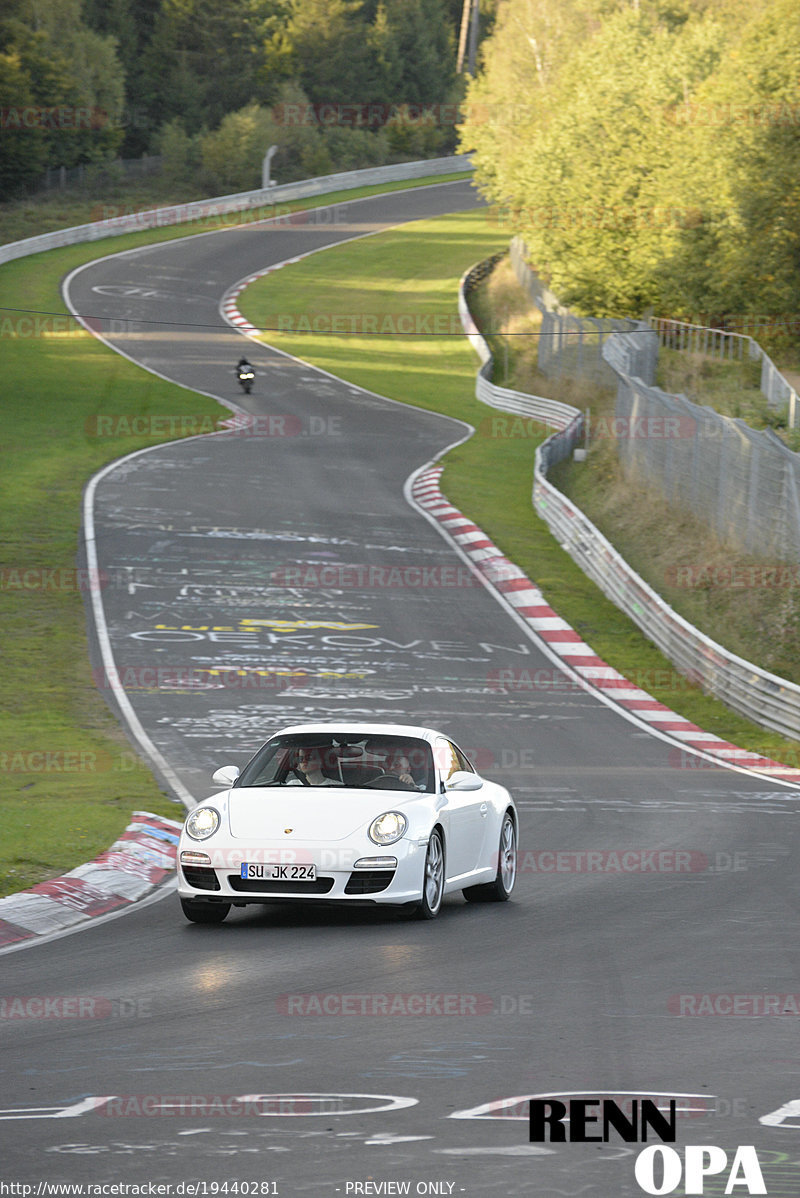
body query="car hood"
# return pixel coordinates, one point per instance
(324, 814)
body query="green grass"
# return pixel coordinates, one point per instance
(409, 272)
(54, 385)
(415, 271)
(63, 810)
(729, 387)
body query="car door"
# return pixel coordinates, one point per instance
(487, 836)
(465, 820)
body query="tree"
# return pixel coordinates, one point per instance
(205, 59)
(231, 156)
(178, 151)
(508, 104)
(325, 47)
(130, 23)
(355, 53)
(419, 50)
(23, 152)
(587, 126)
(742, 170)
(70, 78)
(603, 215)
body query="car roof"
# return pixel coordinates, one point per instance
(371, 729)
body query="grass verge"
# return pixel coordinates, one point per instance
(70, 778)
(414, 272)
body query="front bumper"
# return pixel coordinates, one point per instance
(337, 881)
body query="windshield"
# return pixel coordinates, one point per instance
(327, 759)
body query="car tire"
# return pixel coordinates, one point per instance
(499, 891)
(204, 912)
(432, 879)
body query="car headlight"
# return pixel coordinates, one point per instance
(202, 823)
(388, 828)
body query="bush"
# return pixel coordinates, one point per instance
(356, 149)
(179, 152)
(411, 136)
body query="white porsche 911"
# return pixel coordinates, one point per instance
(349, 813)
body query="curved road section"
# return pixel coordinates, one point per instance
(276, 573)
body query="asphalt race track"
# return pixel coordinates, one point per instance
(576, 986)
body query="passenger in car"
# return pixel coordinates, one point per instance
(309, 768)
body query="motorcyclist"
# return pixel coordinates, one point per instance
(245, 374)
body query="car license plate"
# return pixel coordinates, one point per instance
(271, 872)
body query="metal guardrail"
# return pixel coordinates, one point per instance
(762, 697)
(546, 411)
(209, 210)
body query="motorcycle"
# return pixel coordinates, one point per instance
(245, 375)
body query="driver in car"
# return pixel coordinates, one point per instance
(398, 765)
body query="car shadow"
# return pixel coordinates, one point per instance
(286, 916)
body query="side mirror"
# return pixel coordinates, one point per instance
(461, 780)
(226, 775)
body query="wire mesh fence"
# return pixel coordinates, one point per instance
(573, 345)
(728, 346)
(743, 483)
(61, 177)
